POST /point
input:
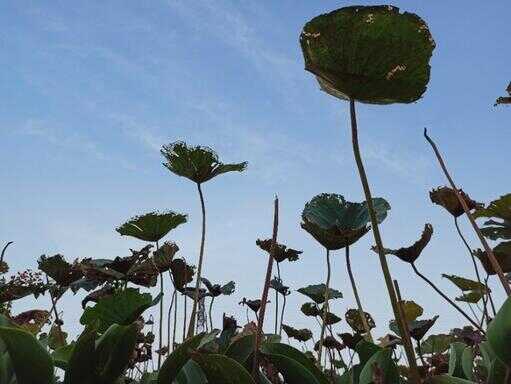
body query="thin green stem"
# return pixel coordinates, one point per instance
(210, 312)
(282, 314)
(379, 243)
(169, 317)
(357, 297)
(325, 306)
(160, 325)
(191, 326)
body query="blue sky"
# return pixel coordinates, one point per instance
(91, 90)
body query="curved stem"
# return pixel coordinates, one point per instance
(446, 298)
(489, 251)
(191, 326)
(410, 354)
(169, 316)
(325, 306)
(209, 314)
(4, 249)
(282, 314)
(357, 297)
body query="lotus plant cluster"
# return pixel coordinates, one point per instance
(358, 54)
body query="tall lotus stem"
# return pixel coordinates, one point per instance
(410, 354)
(357, 297)
(277, 302)
(282, 315)
(489, 252)
(210, 312)
(191, 326)
(160, 325)
(175, 322)
(446, 298)
(169, 317)
(185, 304)
(266, 287)
(325, 306)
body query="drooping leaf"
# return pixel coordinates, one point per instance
(499, 333)
(473, 291)
(497, 210)
(282, 252)
(152, 226)
(297, 334)
(331, 318)
(417, 328)
(62, 355)
(336, 223)
(222, 369)
(32, 320)
(31, 362)
(354, 320)
(502, 253)
(373, 54)
(412, 253)
(182, 273)
(435, 344)
(317, 293)
(310, 309)
(254, 305)
(177, 359)
(59, 269)
(277, 285)
(472, 297)
(217, 289)
(446, 197)
(198, 164)
(123, 308)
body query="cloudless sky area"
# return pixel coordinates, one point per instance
(90, 91)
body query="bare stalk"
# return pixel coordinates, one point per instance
(357, 297)
(209, 313)
(264, 296)
(489, 252)
(4, 249)
(410, 354)
(191, 326)
(282, 314)
(446, 298)
(169, 317)
(325, 306)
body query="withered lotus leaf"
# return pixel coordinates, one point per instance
(418, 328)
(446, 197)
(59, 269)
(310, 309)
(505, 99)
(254, 305)
(282, 252)
(411, 309)
(182, 273)
(354, 320)
(297, 334)
(217, 289)
(372, 54)
(412, 253)
(497, 210)
(502, 253)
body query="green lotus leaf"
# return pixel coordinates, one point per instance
(446, 379)
(354, 320)
(59, 269)
(310, 309)
(500, 210)
(317, 293)
(465, 284)
(292, 370)
(455, 359)
(30, 360)
(446, 197)
(81, 365)
(298, 334)
(373, 54)
(499, 333)
(336, 223)
(222, 369)
(62, 355)
(435, 344)
(198, 164)
(191, 373)
(386, 371)
(502, 253)
(412, 253)
(152, 226)
(241, 348)
(123, 308)
(494, 366)
(282, 252)
(177, 359)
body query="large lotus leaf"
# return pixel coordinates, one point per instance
(298, 334)
(62, 355)
(446, 379)
(191, 373)
(446, 197)
(198, 164)
(317, 293)
(501, 210)
(292, 370)
(282, 252)
(355, 322)
(122, 308)
(114, 350)
(381, 366)
(222, 369)
(241, 348)
(496, 369)
(502, 253)
(81, 365)
(373, 54)
(177, 359)
(152, 226)
(296, 355)
(412, 253)
(456, 359)
(30, 360)
(336, 223)
(59, 269)
(366, 350)
(499, 333)
(436, 344)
